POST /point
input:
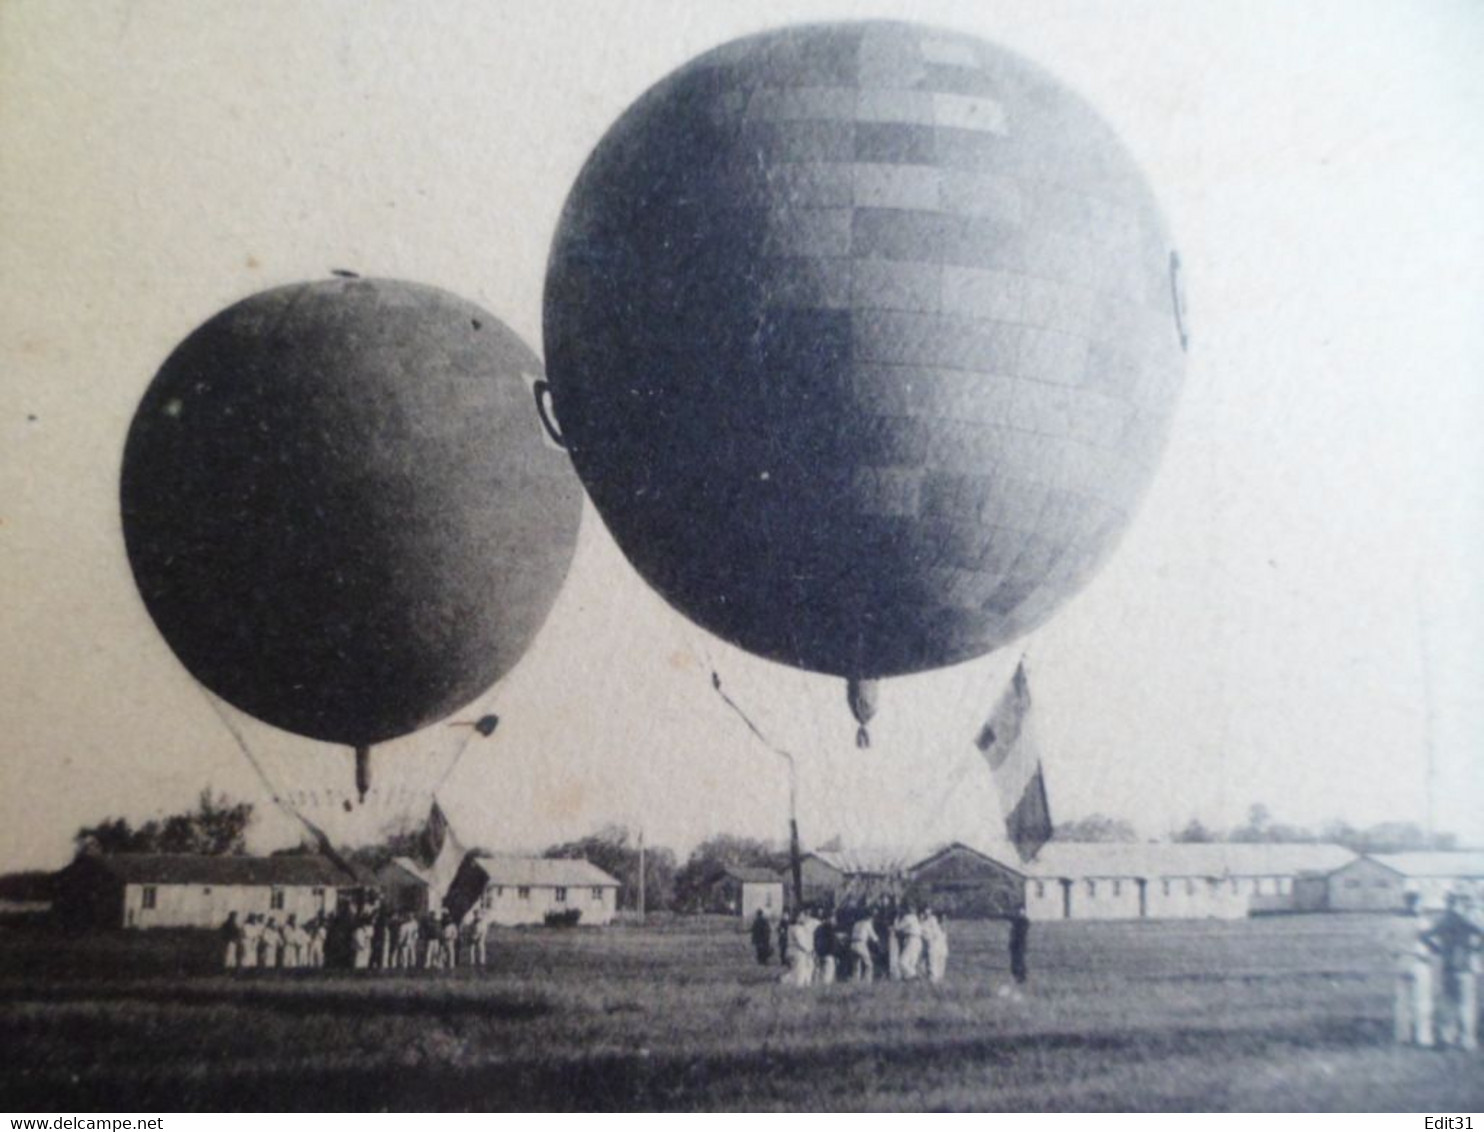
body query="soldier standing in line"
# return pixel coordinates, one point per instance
(1412, 962)
(381, 934)
(231, 934)
(252, 932)
(762, 938)
(450, 941)
(478, 930)
(910, 929)
(935, 945)
(801, 950)
(863, 941)
(825, 943)
(270, 944)
(361, 943)
(314, 955)
(1457, 942)
(1020, 937)
(293, 942)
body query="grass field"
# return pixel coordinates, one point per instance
(1280, 1013)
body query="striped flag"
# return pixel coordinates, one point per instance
(1014, 760)
(443, 852)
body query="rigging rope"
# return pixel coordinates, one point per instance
(319, 835)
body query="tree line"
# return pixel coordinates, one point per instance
(217, 826)
(1260, 827)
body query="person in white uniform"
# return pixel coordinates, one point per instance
(252, 934)
(909, 927)
(801, 951)
(935, 944)
(862, 939)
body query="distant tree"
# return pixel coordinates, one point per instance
(217, 827)
(1095, 827)
(716, 853)
(1194, 832)
(405, 840)
(615, 850)
(111, 835)
(1387, 837)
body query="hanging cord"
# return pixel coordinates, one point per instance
(458, 755)
(736, 708)
(322, 839)
(251, 758)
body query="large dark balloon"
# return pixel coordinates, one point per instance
(339, 507)
(863, 339)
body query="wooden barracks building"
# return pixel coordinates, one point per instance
(147, 890)
(1081, 881)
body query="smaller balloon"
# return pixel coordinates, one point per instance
(340, 510)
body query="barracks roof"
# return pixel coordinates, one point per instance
(750, 874)
(1207, 859)
(888, 860)
(1463, 863)
(545, 872)
(1108, 859)
(189, 868)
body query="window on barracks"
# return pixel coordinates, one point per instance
(561, 895)
(523, 893)
(1165, 886)
(1118, 888)
(598, 893)
(206, 891)
(149, 896)
(1092, 889)
(275, 899)
(1040, 889)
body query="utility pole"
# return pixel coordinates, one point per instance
(795, 858)
(641, 874)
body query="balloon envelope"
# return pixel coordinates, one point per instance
(862, 338)
(339, 507)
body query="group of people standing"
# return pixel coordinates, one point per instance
(856, 943)
(1437, 967)
(860, 943)
(366, 937)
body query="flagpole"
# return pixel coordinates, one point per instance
(641, 874)
(795, 859)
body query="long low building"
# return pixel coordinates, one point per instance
(147, 890)
(1388, 882)
(524, 890)
(1223, 880)
(1074, 880)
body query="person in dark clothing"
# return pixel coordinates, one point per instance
(762, 938)
(883, 923)
(783, 926)
(1020, 931)
(825, 948)
(1458, 942)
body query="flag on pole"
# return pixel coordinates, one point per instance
(1015, 762)
(444, 853)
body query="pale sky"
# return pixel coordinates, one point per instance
(1294, 618)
